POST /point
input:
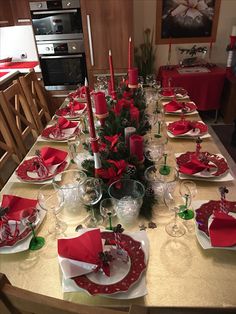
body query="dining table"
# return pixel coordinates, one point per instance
(180, 272)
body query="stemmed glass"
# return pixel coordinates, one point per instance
(107, 210)
(90, 194)
(188, 190)
(154, 149)
(175, 203)
(30, 218)
(52, 200)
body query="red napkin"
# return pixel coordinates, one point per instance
(173, 106)
(223, 230)
(181, 127)
(17, 205)
(63, 123)
(84, 248)
(77, 106)
(194, 166)
(52, 156)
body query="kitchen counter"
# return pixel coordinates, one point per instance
(7, 75)
(22, 67)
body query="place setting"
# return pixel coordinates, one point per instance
(203, 165)
(215, 222)
(72, 110)
(177, 107)
(42, 166)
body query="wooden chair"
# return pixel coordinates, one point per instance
(35, 95)
(8, 152)
(16, 110)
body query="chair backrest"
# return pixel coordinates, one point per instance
(8, 152)
(14, 300)
(16, 110)
(35, 95)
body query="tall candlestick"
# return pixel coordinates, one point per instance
(130, 54)
(169, 52)
(92, 132)
(210, 50)
(111, 72)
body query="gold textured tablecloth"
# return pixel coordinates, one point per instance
(179, 272)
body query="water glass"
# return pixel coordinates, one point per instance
(107, 210)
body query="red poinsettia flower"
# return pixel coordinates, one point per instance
(127, 94)
(114, 172)
(134, 113)
(113, 140)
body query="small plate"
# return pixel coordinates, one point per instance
(190, 108)
(200, 130)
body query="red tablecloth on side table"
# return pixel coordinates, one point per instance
(204, 89)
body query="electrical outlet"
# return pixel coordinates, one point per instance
(23, 55)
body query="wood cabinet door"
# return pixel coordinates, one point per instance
(21, 12)
(111, 25)
(6, 18)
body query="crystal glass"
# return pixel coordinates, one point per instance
(30, 218)
(69, 183)
(160, 182)
(187, 190)
(90, 194)
(107, 210)
(127, 196)
(176, 204)
(74, 147)
(154, 148)
(52, 200)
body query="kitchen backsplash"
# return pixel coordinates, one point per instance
(16, 41)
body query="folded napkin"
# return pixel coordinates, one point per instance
(76, 106)
(63, 123)
(173, 106)
(52, 156)
(222, 230)
(194, 166)
(17, 205)
(180, 127)
(169, 92)
(80, 255)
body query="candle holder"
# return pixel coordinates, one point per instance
(102, 118)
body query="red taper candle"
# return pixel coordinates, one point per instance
(130, 54)
(136, 146)
(111, 72)
(169, 52)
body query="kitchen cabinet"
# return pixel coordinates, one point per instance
(14, 12)
(21, 12)
(6, 17)
(106, 25)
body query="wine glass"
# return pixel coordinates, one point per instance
(52, 200)
(188, 190)
(107, 211)
(175, 203)
(30, 218)
(90, 194)
(74, 144)
(154, 149)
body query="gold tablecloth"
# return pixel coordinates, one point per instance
(179, 273)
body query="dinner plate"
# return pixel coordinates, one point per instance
(179, 112)
(203, 219)
(24, 174)
(122, 278)
(200, 130)
(214, 159)
(22, 243)
(136, 290)
(65, 112)
(189, 106)
(48, 134)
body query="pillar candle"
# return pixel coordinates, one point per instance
(128, 132)
(130, 54)
(111, 71)
(100, 103)
(232, 41)
(133, 77)
(136, 146)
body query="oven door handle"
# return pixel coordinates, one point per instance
(62, 57)
(54, 12)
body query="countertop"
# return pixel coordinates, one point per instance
(22, 67)
(7, 75)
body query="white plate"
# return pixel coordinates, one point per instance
(223, 178)
(202, 238)
(179, 112)
(136, 290)
(186, 135)
(23, 244)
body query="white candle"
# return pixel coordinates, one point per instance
(128, 132)
(233, 31)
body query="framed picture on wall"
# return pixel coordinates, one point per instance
(186, 21)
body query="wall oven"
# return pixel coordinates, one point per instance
(62, 63)
(57, 26)
(53, 20)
